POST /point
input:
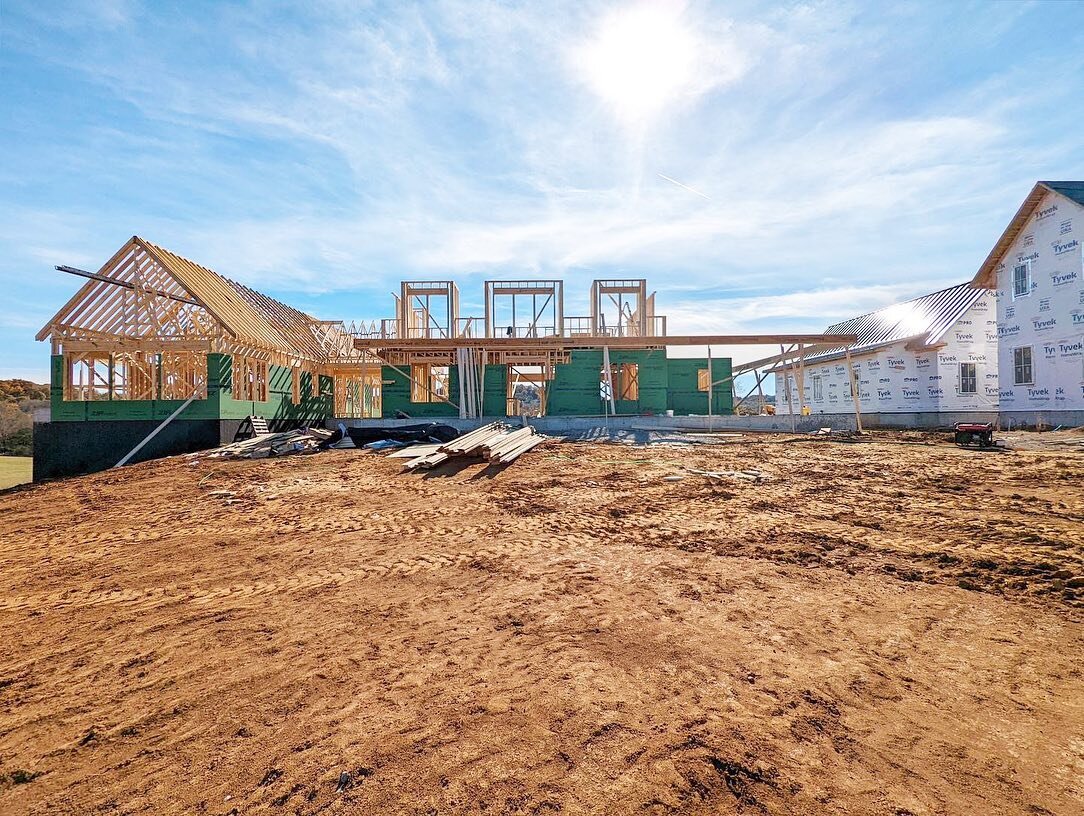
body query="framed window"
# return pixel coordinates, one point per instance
(702, 379)
(238, 372)
(969, 383)
(438, 383)
(181, 374)
(1021, 280)
(428, 383)
(628, 382)
(1022, 373)
(249, 379)
(818, 388)
(88, 377)
(419, 383)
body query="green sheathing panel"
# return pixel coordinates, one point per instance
(59, 410)
(395, 395)
(219, 404)
(575, 387)
(686, 398)
(495, 395)
(279, 403)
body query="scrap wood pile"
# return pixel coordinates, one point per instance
(1068, 442)
(302, 440)
(497, 443)
(750, 475)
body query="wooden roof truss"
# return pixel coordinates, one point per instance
(146, 298)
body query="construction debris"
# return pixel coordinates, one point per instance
(746, 475)
(413, 451)
(426, 433)
(302, 440)
(497, 443)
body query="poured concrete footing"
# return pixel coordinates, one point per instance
(564, 425)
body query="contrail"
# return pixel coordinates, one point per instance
(683, 186)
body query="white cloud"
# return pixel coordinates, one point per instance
(482, 138)
(646, 58)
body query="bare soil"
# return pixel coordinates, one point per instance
(888, 627)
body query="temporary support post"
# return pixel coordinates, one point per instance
(711, 420)
(608, 374)
(786, 387)
(854, 392)
(459, 355)
(154, 433)
(749, 393)
(801, 379)
(483, 359)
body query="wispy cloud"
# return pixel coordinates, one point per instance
(841, 159)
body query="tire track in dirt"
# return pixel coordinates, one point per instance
(318, 579)
(573, 635)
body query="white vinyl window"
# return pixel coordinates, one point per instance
(1021, 366)
(1021, 280)
(818, 389)
(969, 383)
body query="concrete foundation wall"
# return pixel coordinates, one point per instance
(872, 421)
(74, 448)
(1048, 419)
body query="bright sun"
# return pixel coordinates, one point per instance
(639, 60)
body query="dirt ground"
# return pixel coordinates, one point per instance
(890, 627)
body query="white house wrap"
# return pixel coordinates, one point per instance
(1037, 270)
(933, 354)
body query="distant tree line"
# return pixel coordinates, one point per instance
(18, 401)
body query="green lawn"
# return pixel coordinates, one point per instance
(15, 470)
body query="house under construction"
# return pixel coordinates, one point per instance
(154, 339)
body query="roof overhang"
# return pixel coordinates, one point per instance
(986, 277)
(915, 343)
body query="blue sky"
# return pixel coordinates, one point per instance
(768, 167)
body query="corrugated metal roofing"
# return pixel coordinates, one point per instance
(1073, 190)
(925, 319)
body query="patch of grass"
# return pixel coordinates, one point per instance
(15, 470)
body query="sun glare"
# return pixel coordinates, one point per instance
(640, 59)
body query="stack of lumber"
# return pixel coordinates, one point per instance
(508, 447)
(303, 440)
(496, 443)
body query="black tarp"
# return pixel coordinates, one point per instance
(430, 432)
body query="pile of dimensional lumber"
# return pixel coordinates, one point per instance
(497, 443)
(302, 440)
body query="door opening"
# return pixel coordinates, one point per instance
(526, 394)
